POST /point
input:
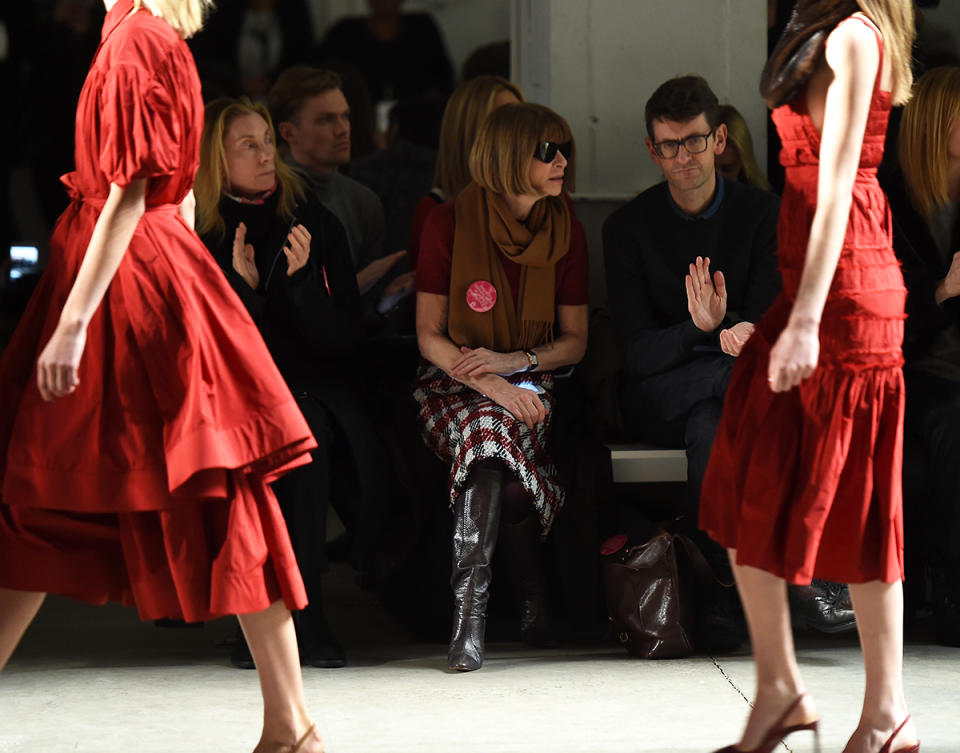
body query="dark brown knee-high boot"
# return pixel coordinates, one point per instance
(475, 526)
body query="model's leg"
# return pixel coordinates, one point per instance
(274, 647)
(764, 598)
(879, 608)
(17, 610)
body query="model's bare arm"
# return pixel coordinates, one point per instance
(58, 362)
(853, 59)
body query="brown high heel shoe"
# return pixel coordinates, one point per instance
(886, 746)
(777, 732)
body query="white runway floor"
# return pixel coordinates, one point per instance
(92, 679)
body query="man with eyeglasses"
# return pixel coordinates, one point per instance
(690, 265)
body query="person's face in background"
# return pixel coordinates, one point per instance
(728, 162)
(251, 156)
(319, 137)
(547, 177)
(686, 171)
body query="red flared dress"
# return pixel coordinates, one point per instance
(806, 483)
(148, 484)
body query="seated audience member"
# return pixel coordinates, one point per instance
(716, 239)
(466, 110)
(403, 172)
(737, 161)
(501, 303)
(256, 39)
(313, 120)
(286, 257)
(401, 55)
(925, 202)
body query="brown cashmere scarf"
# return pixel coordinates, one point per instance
(485, 230)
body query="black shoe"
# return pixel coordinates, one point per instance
(240, 656)
(822, 606)
(476, 522)
(318, 645)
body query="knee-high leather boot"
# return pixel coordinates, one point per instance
(475, 526)
(520, 553)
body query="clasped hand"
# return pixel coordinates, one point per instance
(706, 297)
(474, 362)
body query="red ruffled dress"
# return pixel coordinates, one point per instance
(806, 483)
(148, 484)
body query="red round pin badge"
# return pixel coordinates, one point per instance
(481, 296)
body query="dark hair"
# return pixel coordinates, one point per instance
(681, 99)
(800, 48)
(294, 86)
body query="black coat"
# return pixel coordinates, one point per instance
(311, 321)
(923, 268)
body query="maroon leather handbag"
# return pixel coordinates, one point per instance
(650, 591)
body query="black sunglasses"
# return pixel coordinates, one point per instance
(546, 151)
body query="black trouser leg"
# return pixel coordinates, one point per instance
(932, 523)
(475, 526)
(520, 551)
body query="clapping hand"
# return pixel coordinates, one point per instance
(244, 261)
(706, 298)
(297, 250)
(733, 339)
(949, 286)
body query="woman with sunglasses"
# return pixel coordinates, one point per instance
(804, 475)
(501, 304)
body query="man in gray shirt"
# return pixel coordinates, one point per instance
(313, 121)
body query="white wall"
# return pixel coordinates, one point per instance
(597, 61)
(465, 24)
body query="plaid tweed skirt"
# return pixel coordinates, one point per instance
(462, 426)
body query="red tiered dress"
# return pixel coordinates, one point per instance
(806, 483)
(148, 484)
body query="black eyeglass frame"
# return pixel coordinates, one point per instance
(677, 143)
(546, 151)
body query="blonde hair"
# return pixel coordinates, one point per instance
(924, 133)
(186, 17)
(467, 109)
(212, 179)
(895, 19)
(738, 136)
(501, 155)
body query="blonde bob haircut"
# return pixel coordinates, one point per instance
(738, 136)
(924, 132)
(501, 155)
(213, 179)
(466, 110)
(184, 16)
(895, 19)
